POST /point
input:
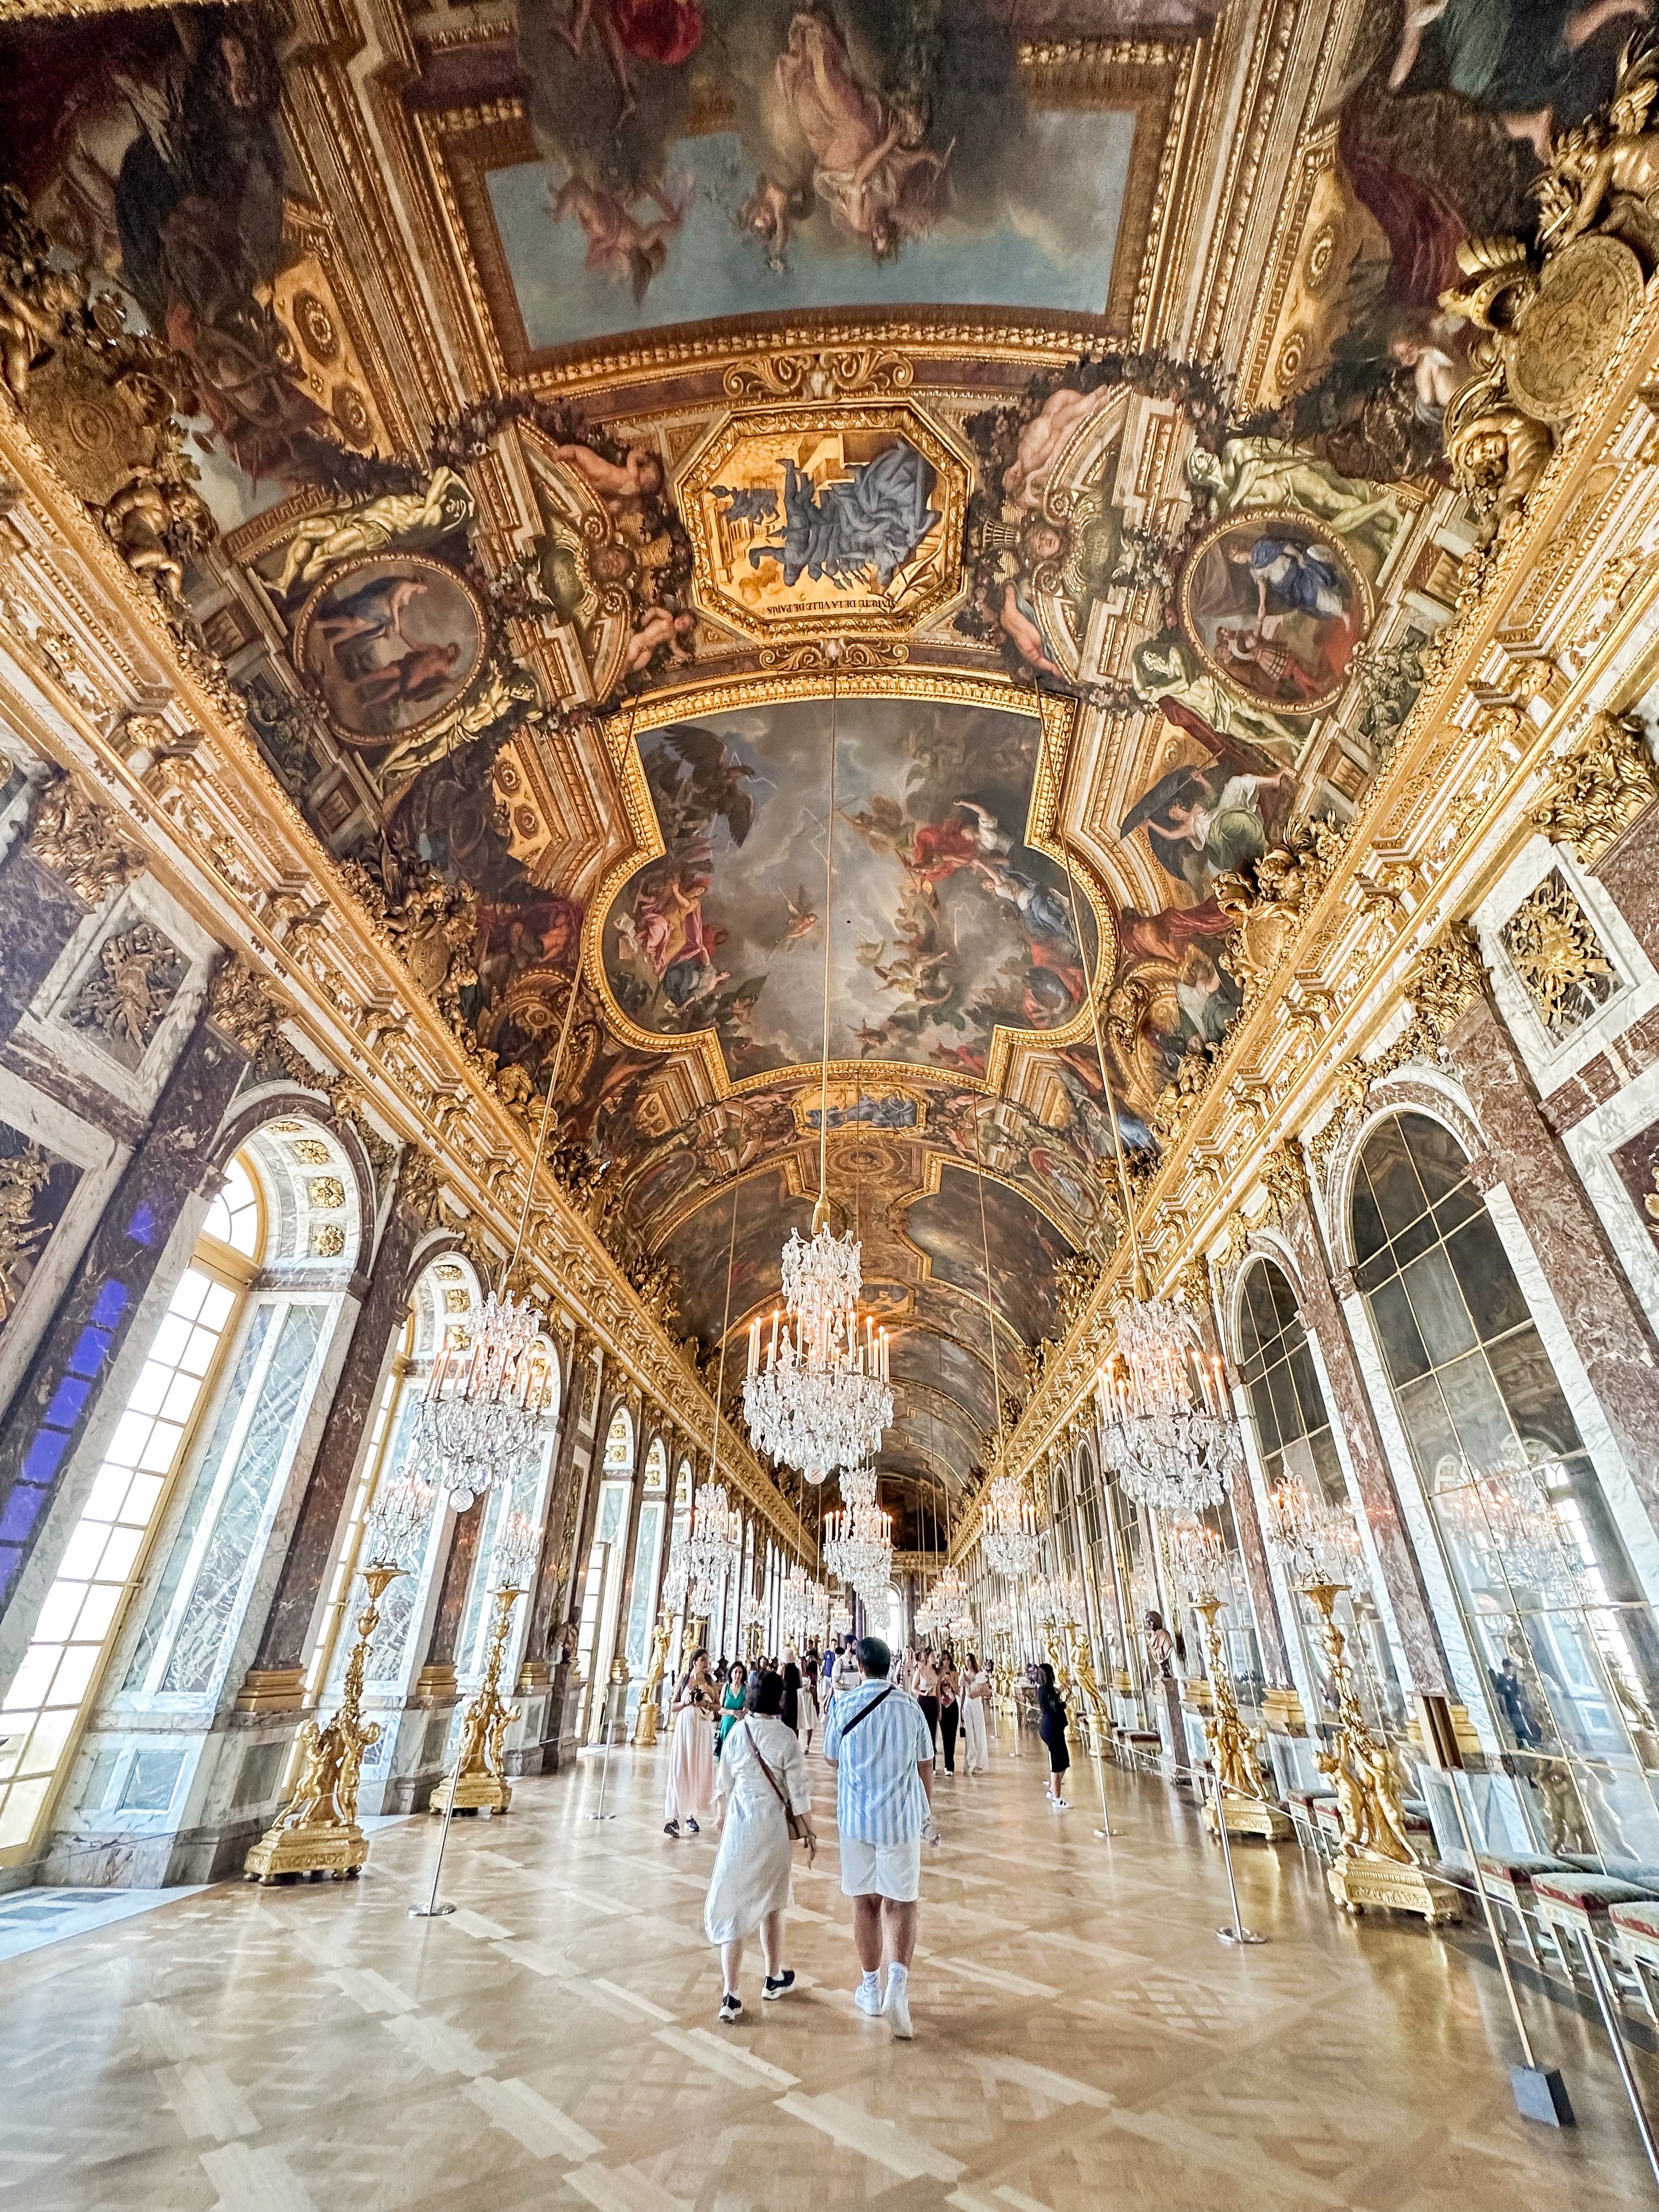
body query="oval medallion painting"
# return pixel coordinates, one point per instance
(1276, 608)
(390, 644)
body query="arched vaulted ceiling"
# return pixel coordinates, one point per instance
(583, 427)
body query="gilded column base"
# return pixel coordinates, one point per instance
(481, 1792)
(1281, 1709)
(1356, 1882)
(1251, 1816)
(645, 1727)
(332, 1848)
(271, 1690)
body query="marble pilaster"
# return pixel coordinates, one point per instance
(1270, 1630)
(1419, 1642)
(38, 914)
(60, 1395)
(1609, 1329)
(379, 1318)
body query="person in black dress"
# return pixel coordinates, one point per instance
(1051, 1726)
(791, 1713)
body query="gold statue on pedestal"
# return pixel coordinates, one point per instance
(1232, 1747)
(645, 1726)
(1376, 1863)
(479, 1779)
(317, 1833)
(1087, 1685)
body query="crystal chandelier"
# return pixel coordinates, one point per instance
(1167, 1430)
(1516, 1548)
(397, 1522)
(713, 1536)
(804, 1608)
(858, 1541)
(999, 1618)
(484, 1410)
(817, 1396)
(1314, 1541)
(515, 1552)
(1012, 1541)
(754, 1610)
(1056, 1600)
(1200, 1559)
(841, 1618)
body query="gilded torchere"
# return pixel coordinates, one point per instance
(317, 1833)
(1232, 1746)
(1376, 1863)
(480, 1780)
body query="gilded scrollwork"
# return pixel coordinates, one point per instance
(1603, 781)
(79, 839)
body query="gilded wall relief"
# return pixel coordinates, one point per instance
(825, 520)
(35, 1187)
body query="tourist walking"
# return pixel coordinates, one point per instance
(924, 1683)
(691, 1751)
(950, 1709)
(761, 1780)
(882, 1750)
(1051, 1727)
(976, 1696)
(737, 1681)
(808, 1720)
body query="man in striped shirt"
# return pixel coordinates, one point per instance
(882, 1750)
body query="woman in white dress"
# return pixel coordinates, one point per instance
(806, 1705)
(761, 1768)
(691, 1751)
(975, 1695)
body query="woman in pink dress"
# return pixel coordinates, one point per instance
(691, 1752)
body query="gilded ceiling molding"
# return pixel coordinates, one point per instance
(1606, 778)
(86, 641)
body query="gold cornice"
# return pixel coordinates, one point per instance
(90, 646)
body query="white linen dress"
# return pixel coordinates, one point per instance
(690, 1793)
(751, 1868)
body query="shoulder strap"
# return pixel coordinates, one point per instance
(764, 1767)
(864, 1711)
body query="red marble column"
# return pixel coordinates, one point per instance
(1425, 1662)
(1609, 1331)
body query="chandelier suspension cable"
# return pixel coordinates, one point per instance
(821, 1211)
(541, 1132)
(726, 1326)
(985, 1247)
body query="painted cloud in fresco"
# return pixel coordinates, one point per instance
(945, 922)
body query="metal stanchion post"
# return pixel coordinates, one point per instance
(604, 1763)
(432, 1910)
(1238, 1933)
(1104, 1830)
(1620, 2056)
(1540, 2092)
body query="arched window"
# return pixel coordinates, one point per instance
(1294, 1437)
(602, 1582)
(647, 1544)
(1555, 1615)
(230, 1297)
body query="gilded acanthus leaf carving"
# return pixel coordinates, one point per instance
(1606, 778)
(1284, 1177)
(241, 1003)
(1449, 976)
(80, 841)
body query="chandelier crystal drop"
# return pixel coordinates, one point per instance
(816, 1396)
(1011, 1538)
(1167, 1430)
(484, 1413)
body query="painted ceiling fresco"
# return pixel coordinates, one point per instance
(557, 419)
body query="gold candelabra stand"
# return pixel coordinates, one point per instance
(1245, 1806)
(645, 1724)
(317, 1833)
(1376, 1863)
(479, 1780)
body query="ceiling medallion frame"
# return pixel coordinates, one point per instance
(1267, 519)
(862, 612)
(1060, 721)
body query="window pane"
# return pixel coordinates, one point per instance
(1402, 1347)
(1370, 1237)
(1485, 1277)
(1394, 1186)
(1526, 1378)
(1438, 1307)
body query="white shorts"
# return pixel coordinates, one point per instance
(891, 1870)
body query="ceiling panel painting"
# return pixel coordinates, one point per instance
(946, 923)
(1023, 1248)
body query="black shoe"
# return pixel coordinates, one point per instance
(730, 2008)
(671, 1827)
(692, 1828)
(777, 1984)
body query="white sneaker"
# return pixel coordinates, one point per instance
(872, 2001)
(898, 2006)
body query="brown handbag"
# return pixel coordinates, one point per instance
(797, 1827)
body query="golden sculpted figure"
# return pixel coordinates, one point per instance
(405, 519)
(480, 1782)
(645, 1727)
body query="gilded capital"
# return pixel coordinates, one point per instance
(1604, 779)
(80, 841)
(1284, 1177)
(241, 1004)
(1447, 977)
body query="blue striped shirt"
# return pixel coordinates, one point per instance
(879, 1798)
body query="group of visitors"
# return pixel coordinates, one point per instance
(741, 1734)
